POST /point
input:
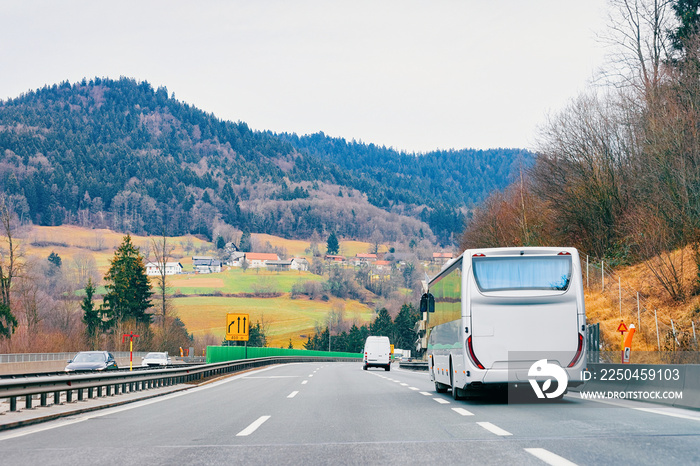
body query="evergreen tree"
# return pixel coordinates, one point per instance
(382, 325)
(91, 316)
(55, 259)
(128, 289)
(403, 326)
(332, 246)
(256, 336)
(356, 338)
(245, 245)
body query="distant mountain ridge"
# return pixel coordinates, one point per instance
(122, 155)
(445, 176)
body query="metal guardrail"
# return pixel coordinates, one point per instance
(113, 382)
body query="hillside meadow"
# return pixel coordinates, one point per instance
(202, 301)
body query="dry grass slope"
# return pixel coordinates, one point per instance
(618, 301)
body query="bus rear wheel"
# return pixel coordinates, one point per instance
(441, 388)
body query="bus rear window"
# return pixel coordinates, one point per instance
(522, 273)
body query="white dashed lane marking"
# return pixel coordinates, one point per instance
(549, 457)
(494, 429)
(253, 427)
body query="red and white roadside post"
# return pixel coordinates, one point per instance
(131, 348)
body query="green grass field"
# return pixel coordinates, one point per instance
(235, 280)
(283, 317)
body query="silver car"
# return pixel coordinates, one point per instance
(156, 359)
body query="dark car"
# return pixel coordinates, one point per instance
(92, 361)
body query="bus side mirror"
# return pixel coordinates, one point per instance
(427, 303)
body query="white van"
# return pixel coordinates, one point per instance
(377, 353)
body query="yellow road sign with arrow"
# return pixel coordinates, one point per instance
(237, 327)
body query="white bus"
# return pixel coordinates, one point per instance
(492, 313)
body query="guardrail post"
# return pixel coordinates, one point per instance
(42, 397)
(69, 396)
(13, 403)
(90, 392)
(57, 398)
(99, 391)
(80, 394)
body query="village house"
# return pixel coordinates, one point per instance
(235, 259)
(259, 259)
(171, 268)
(206, 264)
(441, 257)
(382, 265)
(364, 259)
(300, 263)
(278, 266)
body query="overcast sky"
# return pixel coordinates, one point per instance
(413, 75)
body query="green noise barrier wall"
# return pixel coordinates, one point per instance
(233, 353)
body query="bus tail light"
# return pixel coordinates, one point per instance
(564, 253)
(579, 351)
(472, 356)
(479, 255)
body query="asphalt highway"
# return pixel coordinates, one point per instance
(336, 413)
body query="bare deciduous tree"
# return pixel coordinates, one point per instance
(584, 168)
(10, 266)
(162, 252)
(638, 35)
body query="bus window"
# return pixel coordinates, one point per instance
(551, 273)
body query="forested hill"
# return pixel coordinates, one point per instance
(455, 177)
(122, 155)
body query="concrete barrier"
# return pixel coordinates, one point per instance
(414, 365)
